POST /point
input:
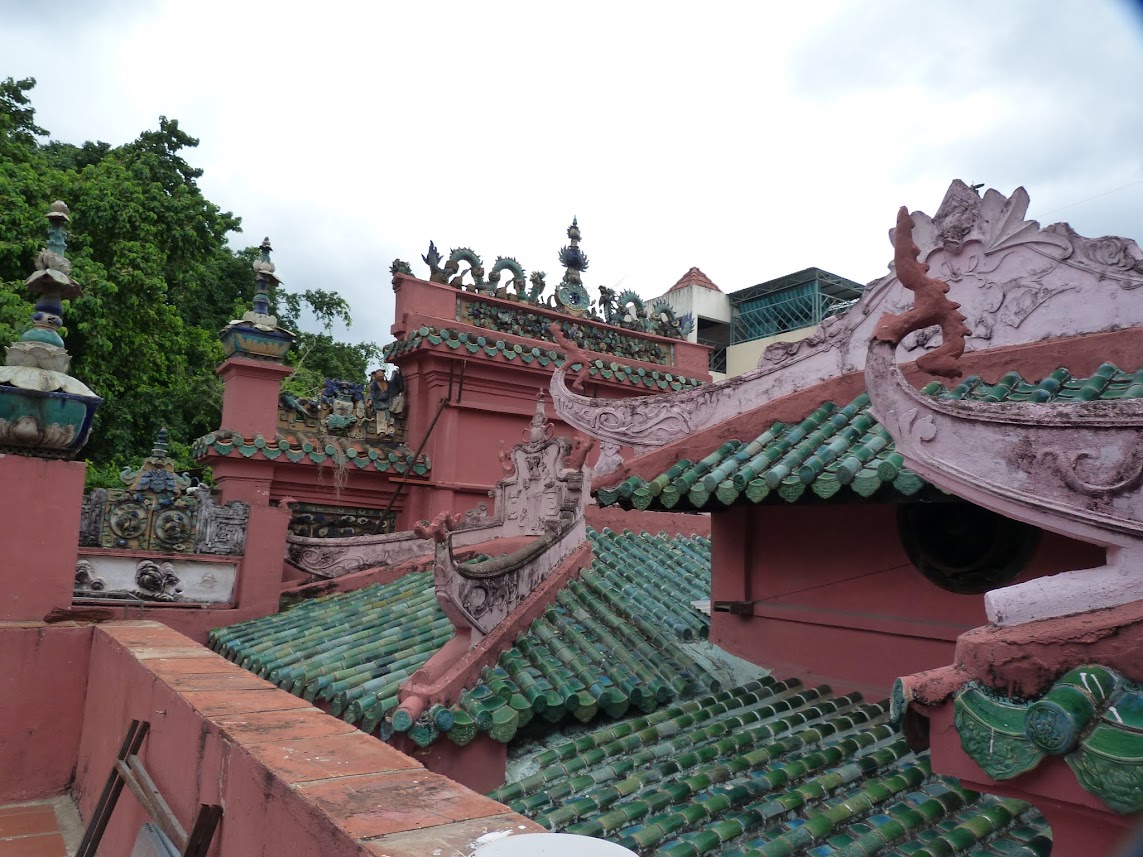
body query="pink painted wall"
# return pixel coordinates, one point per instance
(839, 600)
(39, 541)
(291, 779)
(250, 395)
(495, 404)
(43, 681)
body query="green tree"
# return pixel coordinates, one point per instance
(159, 280)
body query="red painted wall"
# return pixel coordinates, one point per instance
(291, 780)
(39, 506)
(838, 599)
(43, 680)
(492, 399)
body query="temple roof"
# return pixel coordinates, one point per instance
(694, 277)
(608, 644)
(299, 446)
(768, 768)
(836, 452)
(512, 351)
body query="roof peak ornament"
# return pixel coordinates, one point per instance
(43, 410)
(257, 333)
(1071, 468)
(930, 306)
(1017, 283)
(570, 293)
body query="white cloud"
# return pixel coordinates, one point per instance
(748, 139)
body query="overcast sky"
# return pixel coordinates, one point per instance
(749, 139)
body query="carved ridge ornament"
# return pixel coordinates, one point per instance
(1067, 466)
(641, 422)
(1090, 716)
(1033, 462)
(1008, 273)
(541, 498)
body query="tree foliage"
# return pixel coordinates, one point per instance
(159, 280)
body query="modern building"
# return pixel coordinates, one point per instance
(739, 326)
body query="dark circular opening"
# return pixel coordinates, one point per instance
(963, 548)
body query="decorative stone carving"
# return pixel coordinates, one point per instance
(1016, 283)
(346, 409)
(1069, 467)
(221, 530)
(543, 498)
(316, 520)
(930, 307)
(476, 517)
(1090, 715)
(571, 298)
(86, 580)
(159, 511)
(641, 422)
(91, 517)
(540, 485)
(125, 578)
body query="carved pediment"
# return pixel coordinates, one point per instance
(1073, 468)
(1016, 282)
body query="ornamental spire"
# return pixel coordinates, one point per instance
(257, 334)
(571, 257)
(264, 278)
(35, 372)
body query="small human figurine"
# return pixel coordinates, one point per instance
(388, 400)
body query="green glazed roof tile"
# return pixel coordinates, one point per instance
(501, 349)
(837, 453)
(608, 645)
(768, 768)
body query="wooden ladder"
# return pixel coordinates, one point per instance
(128, 771)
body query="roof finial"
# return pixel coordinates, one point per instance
(39, 360)
(570, 293)
(257, 334)
(159, 451)
(264, 278)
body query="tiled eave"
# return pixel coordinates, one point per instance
(301, 448)
(769, 768)
(511, 349)
(835, 453)
(608, 644)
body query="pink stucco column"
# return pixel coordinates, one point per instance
(39, 540)
(250, 395)
(250, 407)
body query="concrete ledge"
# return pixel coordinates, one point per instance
(290, 778)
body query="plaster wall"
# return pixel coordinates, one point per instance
(744, 356)
(43, 680)
(836, 598)
(291, 780)
(40, 507)
(250, 396)
(700, 301)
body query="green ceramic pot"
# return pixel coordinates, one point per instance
(45, 424)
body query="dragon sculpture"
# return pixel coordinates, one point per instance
(930, 306)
